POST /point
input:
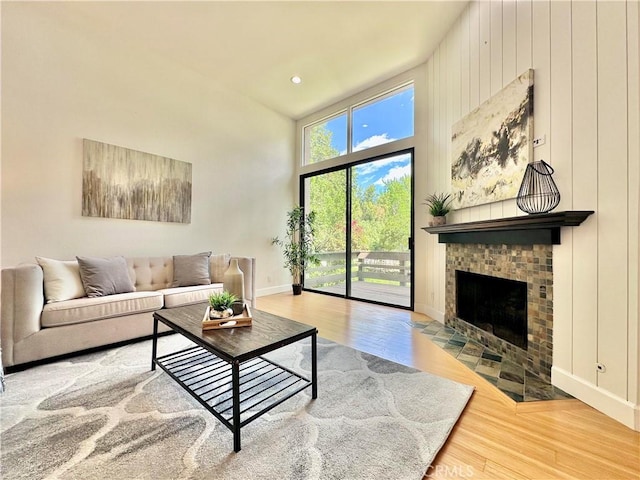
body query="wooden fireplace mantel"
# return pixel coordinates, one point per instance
(534, 229)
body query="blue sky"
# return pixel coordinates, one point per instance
(375, 124)
(390, 168)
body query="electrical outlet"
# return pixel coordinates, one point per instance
(539, 141)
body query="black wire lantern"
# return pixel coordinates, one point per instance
(538, 192)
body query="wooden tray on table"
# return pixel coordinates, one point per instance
(242, 320)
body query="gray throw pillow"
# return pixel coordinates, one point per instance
(105, 276)
(191, 270)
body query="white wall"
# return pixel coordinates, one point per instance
(62, 83)
(585, 58)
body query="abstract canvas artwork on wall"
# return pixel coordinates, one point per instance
(121, 183)
(492, 146)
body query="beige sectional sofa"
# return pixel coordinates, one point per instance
(33, 327)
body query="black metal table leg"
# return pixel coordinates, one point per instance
(235, 380)
(314, 366)
(154, 347)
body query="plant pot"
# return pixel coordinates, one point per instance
(220, 313)
(297, 289)
(237, 307)
(438, 221)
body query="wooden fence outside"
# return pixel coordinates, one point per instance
(382, 267)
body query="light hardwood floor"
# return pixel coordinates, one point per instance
(495, 437)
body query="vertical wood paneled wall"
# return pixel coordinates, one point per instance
(585, 58)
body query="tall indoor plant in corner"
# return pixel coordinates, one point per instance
(298, 247)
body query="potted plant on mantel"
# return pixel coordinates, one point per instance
(298, 246)
(439, 205)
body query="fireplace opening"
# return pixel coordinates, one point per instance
(495, 305)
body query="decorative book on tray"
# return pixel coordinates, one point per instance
(242, 320)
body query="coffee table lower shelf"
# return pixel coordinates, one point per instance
(263, 384)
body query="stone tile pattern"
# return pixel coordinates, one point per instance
(513, 380)
(526, 263)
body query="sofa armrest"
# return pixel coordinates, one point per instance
(248, 267)
(21, 302)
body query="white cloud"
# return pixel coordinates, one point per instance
(394, 174)
(372, 167)
(373, 141)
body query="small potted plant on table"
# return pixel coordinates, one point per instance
(221, 304)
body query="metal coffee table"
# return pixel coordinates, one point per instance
(226, 371)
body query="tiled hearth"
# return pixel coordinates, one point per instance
(510, 378)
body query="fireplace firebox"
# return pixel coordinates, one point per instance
(495, 305)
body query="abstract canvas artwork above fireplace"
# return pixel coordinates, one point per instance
(492, 145)
(529, 264)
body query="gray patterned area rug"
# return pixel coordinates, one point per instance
(107, 416)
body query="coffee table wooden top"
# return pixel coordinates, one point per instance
(267, 333)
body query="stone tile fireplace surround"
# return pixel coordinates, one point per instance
(531, 264)
(514, 248)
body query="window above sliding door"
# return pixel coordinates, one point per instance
(378, 120)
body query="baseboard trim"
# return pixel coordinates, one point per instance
(429, 312)
(419, 308)
(263, 292)
(611, 405)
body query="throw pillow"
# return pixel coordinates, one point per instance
(105, 276)
(219, 265)
(191, 270)
(61, 279)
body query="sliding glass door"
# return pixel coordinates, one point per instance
(326, 196)
(364, 224)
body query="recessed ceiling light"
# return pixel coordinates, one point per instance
(296, 79)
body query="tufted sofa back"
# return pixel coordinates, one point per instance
(156, 273)
(151, 273)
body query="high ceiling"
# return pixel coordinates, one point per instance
(337, 47)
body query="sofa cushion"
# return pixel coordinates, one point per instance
(83, 310)
(105, 276)
(189, 270)
(176, 297)
(61, 279)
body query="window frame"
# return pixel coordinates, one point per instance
(378, 98)
(349, 109)
(306, 146)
